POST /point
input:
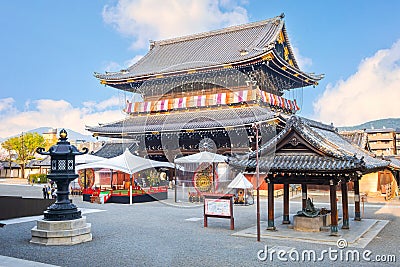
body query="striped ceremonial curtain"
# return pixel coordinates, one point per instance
(296, 106)
(180, 102)
(136, 107)
(162, 104)
(240, 96)
(199, 100)
(145, 106)
(211, 100)
(128, 108)
(220, 99)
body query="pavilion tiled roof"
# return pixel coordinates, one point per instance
(217, 48)
(304, 163)
(189, 120)
(336, 154)
(394, 162)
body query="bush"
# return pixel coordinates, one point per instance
(38, 178)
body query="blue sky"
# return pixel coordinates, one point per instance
(50, 49)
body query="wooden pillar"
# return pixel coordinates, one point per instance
(175, 185)
(271, 225)
(84, 180)
(111, 178)
(334, 212)
(357, 200)
(345, 205)
(304, 196)
(286, 204)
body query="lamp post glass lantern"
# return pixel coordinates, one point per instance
(62, 172)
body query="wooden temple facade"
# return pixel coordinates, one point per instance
(208, 87)
(310, 153)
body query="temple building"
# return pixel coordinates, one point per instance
(208, 88)
(383, 182)
(221, 90)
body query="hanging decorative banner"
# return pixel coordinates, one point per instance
(199, 100)
(162, 105)
(212, 100)
(296, 106)
(128, 108)
(203, 178)
(180, 102)
(147, 106)
(89, 178)
(220, 99)
(240, 96)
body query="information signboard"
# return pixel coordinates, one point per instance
(219, 206)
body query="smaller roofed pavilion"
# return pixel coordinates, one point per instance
(310, 153)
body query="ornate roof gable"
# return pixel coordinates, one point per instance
(308, 146)
(298, 132)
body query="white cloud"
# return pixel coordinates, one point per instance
(146, 20)
(6, 103)
(57, 114)
(371, 93)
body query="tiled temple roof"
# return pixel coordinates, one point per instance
(6, 165)
(217, 48)
(334, 153)
(305, 163)
(110, 150)
(177, 121)
(35, 163)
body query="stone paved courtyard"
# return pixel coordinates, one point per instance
(169, 234)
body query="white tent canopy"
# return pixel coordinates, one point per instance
(202, 157)
(127, 163)
(240, 182)
(87, 158)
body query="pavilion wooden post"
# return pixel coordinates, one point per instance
(130, 189)
(213, 176)
(271, 225)
(357, 200)
(345, 205)
(111, 178)
(304, 195)
(286, 204)
(175, 185)
(334, 212)
(84, 180)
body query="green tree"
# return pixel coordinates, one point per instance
(25, 146)
(7, 145)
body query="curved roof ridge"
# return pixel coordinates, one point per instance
(218, 31)
(317, 140)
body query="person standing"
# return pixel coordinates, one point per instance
(44, 190)
(48, 191)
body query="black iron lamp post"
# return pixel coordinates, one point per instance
(62, 172)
